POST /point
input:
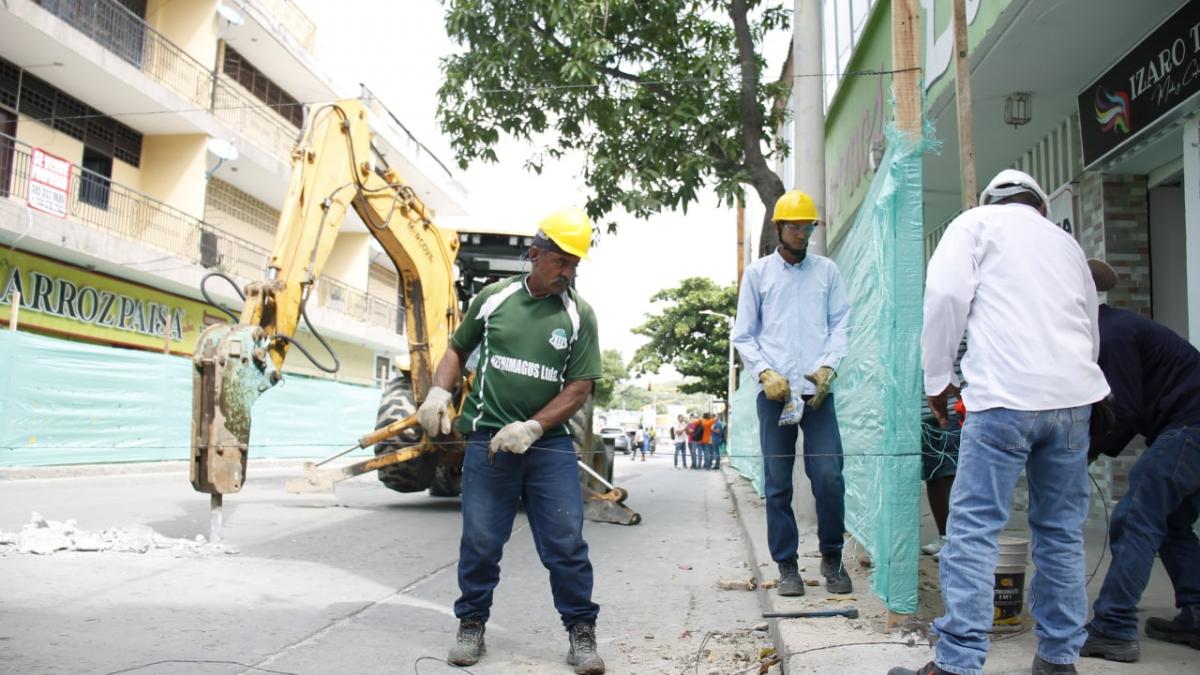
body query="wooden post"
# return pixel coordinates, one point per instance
(741, 242)
(906, 61)
(962, 96)
(14, 316)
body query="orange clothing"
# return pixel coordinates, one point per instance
(708, 427)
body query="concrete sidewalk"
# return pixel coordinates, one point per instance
(837, 645)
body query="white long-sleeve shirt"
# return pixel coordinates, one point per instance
(792, 319)
(1021, 288)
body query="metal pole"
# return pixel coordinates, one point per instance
(808, 142)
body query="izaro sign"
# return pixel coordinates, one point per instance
(49, 182)
(1150, 83)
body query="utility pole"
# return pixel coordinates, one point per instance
(906, 61)
(962, 97)
(808, 144)
(741, 242)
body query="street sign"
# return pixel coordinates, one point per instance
(49, 183)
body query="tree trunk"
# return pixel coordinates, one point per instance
(762, 178)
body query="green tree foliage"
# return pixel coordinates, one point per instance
(614, 370)
(695, 343)
(662, 97)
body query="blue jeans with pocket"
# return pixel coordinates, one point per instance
(1051, 446)
(546, 480)
(681, 453)
(822, 465)
(1155, 517)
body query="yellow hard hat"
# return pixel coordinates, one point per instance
(795, 205)
(570, 230)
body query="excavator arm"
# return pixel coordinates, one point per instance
(332, 170)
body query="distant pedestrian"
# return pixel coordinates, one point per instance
(1155, 380)
(792, 329)
(639, 441)
(679, 435)
(707, 421)
(694, 433)
(1020, 288)
(718, 442)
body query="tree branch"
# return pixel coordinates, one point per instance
(762, 177)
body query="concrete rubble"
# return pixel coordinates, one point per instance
(46, 537)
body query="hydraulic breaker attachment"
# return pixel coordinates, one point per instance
(232, 368)
(606, 507)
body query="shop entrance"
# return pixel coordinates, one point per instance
(1168, 256)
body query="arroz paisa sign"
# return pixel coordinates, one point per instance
(1150, 82)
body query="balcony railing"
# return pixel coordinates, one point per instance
(111, 25)
(252, 118)
(95, 201)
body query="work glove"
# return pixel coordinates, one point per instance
(515, 437)
(822, 377)
(775, 386)
(434, 413)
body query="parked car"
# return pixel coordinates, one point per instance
(615, 439)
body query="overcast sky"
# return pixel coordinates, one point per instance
(394, 48)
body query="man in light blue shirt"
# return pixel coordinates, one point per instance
(792, 330)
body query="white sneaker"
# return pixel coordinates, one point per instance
(934, 547)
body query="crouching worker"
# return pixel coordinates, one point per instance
(539, 355)
(1155, 380)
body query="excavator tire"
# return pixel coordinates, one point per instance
(414, 475)
(447, 480)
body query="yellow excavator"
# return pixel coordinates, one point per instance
(335, 167)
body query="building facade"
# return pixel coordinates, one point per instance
(145, 143)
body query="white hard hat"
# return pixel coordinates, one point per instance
(1010, 182)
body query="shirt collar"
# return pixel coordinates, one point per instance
(787, 265)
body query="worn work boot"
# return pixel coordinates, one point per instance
(790, 583)
(930, 668)
(470, 643)
(583, 649)
(1179, 630)
(836, 579)
(1041, 667)
(1112, 649)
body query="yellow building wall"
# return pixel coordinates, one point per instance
(173, 170)
(191, 24)
(358, 362)
(57, 143)
(230, 209)
(350, 260)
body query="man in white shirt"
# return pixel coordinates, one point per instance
(1021, 288)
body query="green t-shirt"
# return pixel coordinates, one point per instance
(528, 349)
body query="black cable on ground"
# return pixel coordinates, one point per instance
(419, 659)
(228, 663)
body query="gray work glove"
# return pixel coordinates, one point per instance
(515, 437)
(434, 413)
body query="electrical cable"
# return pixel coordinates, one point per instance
(213, 661)
(209, 300)
(457, 669)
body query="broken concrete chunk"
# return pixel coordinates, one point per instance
(737, 584)
(811, 582)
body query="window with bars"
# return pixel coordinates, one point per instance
(45, 103)
(244, 73)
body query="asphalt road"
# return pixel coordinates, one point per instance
(359, 582)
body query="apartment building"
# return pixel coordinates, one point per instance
(145, 143)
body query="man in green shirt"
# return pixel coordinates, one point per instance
(539, 354)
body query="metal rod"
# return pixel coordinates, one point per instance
(216, 519)
(593, 474)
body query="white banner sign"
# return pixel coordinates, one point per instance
(49, 183)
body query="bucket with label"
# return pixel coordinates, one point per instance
(1009, 591)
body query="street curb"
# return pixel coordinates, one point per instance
(764, 594)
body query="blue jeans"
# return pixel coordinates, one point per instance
(681, 453)
(822, 465)
(1155, 517)
(1051, 445)
(546, 480)
(694, 450)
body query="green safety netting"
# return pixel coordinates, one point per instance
(64, 402)
(745, 450)
(879, 389)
